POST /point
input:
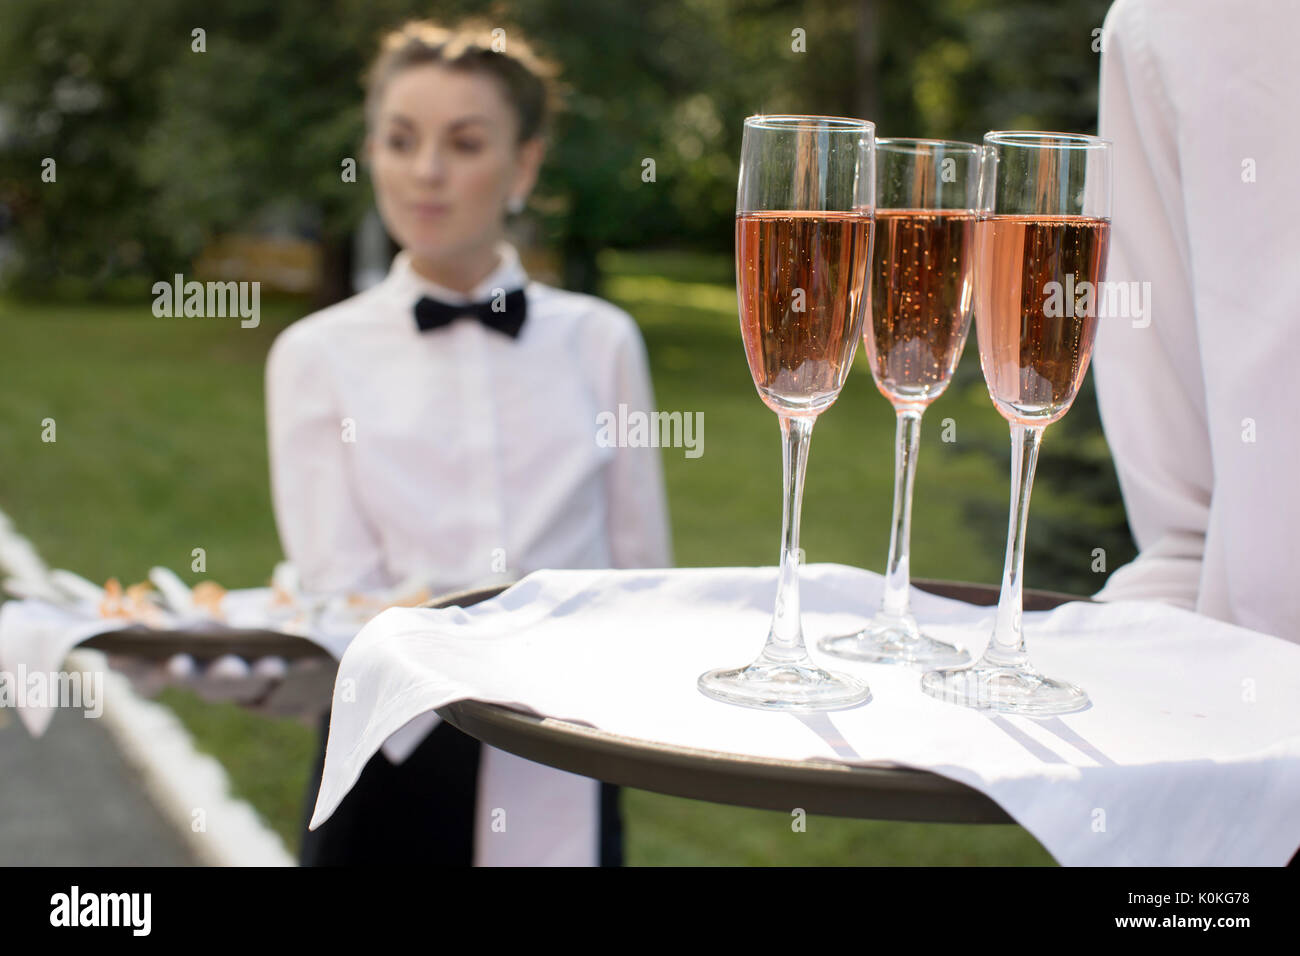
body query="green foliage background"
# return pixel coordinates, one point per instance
(160, 147)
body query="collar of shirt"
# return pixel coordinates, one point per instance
(407, 286)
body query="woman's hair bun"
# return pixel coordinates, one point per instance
(473, 46)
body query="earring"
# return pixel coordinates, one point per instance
(515, 205)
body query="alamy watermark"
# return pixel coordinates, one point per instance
(638, 429)
(82, 690)
(131, 911)
(196, 299)
(1120, 300)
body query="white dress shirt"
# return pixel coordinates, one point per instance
(1200, 406)
(470, 458)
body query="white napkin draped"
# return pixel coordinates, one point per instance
(1190, 753)
(36, 635)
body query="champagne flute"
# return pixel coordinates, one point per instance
(1040, 256)
(918, 317)
(804, 228)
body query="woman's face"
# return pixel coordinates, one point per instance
(445, 160)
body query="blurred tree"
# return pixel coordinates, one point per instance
(260, 126)
(184, 145)
(80, 88)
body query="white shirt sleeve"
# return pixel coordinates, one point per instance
(322, 528)
(1147, 368)
(638, 509)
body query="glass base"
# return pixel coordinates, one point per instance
(894, 640)
(789, 687)
(1007, 690)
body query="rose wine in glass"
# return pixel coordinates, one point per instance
(800, 277)
(920, 301)
(804, 229)
(1034, 361)
(917, 319)
(1040, 257)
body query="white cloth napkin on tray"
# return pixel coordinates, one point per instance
(1190, 753)
(36, 636)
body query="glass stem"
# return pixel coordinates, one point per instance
(898, 572)
(785, 640)
(1007, 648)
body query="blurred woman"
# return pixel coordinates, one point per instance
(443, 424)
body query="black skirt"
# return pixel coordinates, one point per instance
(421, 810)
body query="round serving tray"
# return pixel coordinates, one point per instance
(877, 793)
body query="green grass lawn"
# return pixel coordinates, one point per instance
(161, 449)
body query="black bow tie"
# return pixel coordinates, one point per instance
(505, 314)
